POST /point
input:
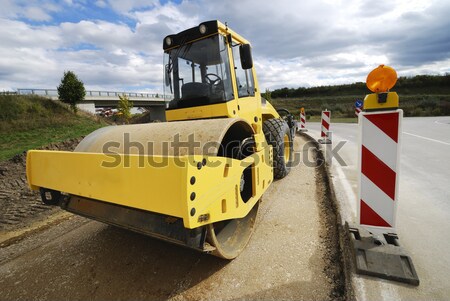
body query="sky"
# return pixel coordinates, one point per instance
(116, 45)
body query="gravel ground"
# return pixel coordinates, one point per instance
(293, 255)
(19, 205)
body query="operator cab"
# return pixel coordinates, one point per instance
(198, 70)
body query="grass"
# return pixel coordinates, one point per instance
(343, 106)
(28, 122)
(334, 120)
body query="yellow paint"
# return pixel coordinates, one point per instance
(371, 102)
(166, 190)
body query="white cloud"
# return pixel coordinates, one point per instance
(17, 34)
(100, 33)
(37, 10)
(295, 43)
(171, 15)
(125, 6)
(101, 3)
(38, 56)
(36, 14)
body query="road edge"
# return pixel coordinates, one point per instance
(15, 236)
(345, 260)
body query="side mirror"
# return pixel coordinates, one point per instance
(245, 51)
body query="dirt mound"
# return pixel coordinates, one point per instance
(18, 204)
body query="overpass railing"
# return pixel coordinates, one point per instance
(93, 93)
(8, 93)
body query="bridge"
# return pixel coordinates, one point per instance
(154, 102)
(106, 98)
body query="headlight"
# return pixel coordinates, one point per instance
(202, 29)
(168, 41)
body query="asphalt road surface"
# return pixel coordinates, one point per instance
(292, 256)
(423, 216)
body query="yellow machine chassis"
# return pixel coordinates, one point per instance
(185, 187)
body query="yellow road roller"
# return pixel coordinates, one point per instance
(195, 179)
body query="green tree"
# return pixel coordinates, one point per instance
(71, 90)
(124, 107)
(268, 95)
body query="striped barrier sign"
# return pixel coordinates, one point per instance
(302, 121)
(325, 131)
(375, 245)
(357, 111)
(379, 153)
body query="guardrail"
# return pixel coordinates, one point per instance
(92, 93)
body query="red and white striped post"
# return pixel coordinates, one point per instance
(379, 152)
(325, 132)
(357, 111)
(379, 168)
(380, 126)
(302, 121)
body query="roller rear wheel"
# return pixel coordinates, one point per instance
(279, 135)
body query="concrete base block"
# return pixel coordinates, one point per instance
(324, 141)
(381, 256)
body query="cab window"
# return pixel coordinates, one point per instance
(198, 73)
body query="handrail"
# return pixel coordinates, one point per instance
(54, 92)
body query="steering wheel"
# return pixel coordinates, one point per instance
(213, 79)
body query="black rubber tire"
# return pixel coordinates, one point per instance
(275, 130)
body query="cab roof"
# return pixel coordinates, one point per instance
(192, 34)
